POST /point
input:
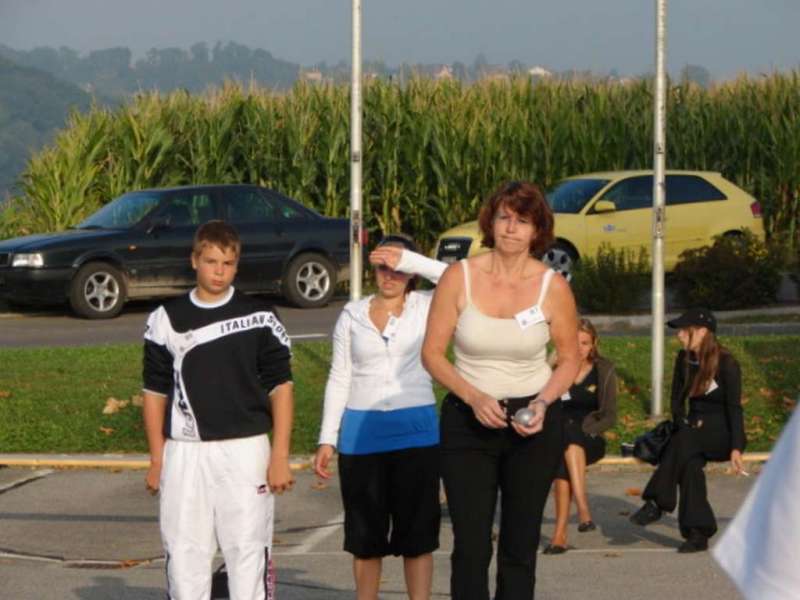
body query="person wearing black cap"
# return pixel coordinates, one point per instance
(709, 376)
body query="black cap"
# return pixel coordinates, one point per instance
(399, 239)
(695, 317)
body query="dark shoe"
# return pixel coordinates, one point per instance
(587, 526)
(649, 513)
(219, 583)
(697, 542)
(554, 549)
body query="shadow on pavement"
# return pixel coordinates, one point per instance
(108, 588)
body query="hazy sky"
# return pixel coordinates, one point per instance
(725, 36)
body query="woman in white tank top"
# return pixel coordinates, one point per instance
(501, 309)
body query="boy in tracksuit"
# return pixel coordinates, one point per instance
(216, 379)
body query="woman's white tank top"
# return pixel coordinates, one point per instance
(497, 355)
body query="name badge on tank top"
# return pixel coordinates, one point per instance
(390, 330)
(529, 316)
(712, 386)
(565, 397)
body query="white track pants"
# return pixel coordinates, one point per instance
(215, 493)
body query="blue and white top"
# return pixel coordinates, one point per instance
(379, 397)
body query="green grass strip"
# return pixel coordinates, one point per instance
(52, 399)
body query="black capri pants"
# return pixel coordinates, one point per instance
(391, 502)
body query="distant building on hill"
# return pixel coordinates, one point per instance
(495, 73)
(315, 76)
(538, 71)
(444, 72)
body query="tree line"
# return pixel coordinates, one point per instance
(112, 72)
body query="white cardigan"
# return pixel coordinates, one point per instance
(380, 371)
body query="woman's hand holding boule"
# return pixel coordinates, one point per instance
(539, 408)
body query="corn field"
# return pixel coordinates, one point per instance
(432, 150)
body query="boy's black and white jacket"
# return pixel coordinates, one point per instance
(216, 364)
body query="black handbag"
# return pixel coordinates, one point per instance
(650, 445)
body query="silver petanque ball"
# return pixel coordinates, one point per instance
(523, 416)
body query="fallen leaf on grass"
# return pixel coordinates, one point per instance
(107, 430)
(756, 419)
(788, 403)
(766, 392)
(137, 400)
(113, 405)
(611, 436)
(632, 491)
(5, 394)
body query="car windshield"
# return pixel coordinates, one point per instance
(123, 212)
(571, 195)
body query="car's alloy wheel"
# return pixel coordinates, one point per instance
(310, 281)
(561, 259)
(98, 291)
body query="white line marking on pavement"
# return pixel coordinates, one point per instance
(25, 479)
(23, 557)
(323, 532)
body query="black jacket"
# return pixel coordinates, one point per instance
(721, 406)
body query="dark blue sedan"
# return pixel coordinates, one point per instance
(138, 246)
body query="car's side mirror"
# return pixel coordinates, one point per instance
(604, 206)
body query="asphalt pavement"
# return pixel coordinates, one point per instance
(93, 535)
(58, 327)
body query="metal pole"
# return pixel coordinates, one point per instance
(659, 216)
(356, 225)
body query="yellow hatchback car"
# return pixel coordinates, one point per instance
(616, 208)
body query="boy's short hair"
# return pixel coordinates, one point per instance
(216, 233)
